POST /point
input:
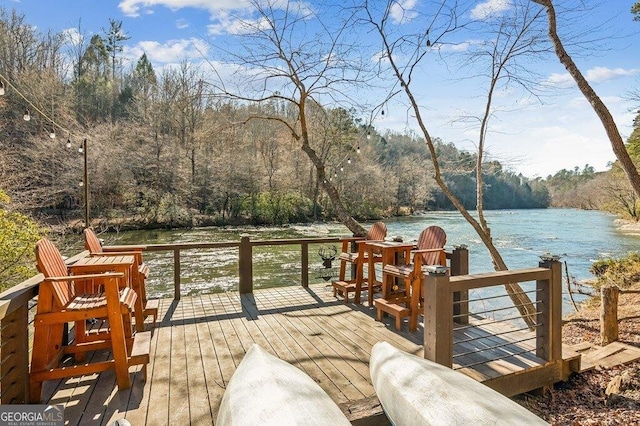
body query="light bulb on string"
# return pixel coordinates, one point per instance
(81, 184)
(26, 116)
(358, 149)
(348, 160)
(2, 91)
(68, 143)
(80, 150)
(428, 41)
(382, 113)
(368, 135)
(342, 168)
(52, 134)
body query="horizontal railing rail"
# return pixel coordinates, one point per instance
(442, 311)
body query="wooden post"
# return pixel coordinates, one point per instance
(245, 266)
(438, 319)
(549, 306)
(14, 352)
(609, 314)
(176, 274)
(305, 265)
(460, 266)
(354, 267)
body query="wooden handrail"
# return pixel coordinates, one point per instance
(440, 291)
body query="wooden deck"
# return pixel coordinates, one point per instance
(199, 341)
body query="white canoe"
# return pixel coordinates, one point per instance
(264, 390)
(416, 391)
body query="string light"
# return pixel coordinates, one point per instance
(68, 143)
(80, 150)
(358, 149)
(348, 160)
(428, 41)
(52, 134)
(5, 84)
(368, 135)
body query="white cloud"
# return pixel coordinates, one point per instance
(134, 7)
(563, 80)
(600, 74)
(233, 25)
(402, 11)
(181, 24)
(490, 8)
(593, 75)
(170, 52)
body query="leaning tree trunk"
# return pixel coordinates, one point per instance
(596, 103)
(340, 210)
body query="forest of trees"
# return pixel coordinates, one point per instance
(163, 152)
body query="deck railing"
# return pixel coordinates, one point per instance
(443, 308)
(245, 257)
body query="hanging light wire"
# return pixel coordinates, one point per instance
(33, 107)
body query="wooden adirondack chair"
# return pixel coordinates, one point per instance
(144, 307)
(429, 251)
(63, 299)
(359, 258)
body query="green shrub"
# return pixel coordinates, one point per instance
(622, 272)
(18, 237)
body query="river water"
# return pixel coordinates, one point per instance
(521, 236)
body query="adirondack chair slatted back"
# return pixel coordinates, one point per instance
(50, 263)
(91, 241)
(431, 238)
(378, 232)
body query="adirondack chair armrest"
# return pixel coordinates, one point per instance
(351, 239)
(124, 248)
(116, 253)
(414, 252)
(85, 277)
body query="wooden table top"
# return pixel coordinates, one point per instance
(104, 261)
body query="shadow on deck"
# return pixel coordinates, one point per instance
(199, 341)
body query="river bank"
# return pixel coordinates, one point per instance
(627, 226)
(583, 399)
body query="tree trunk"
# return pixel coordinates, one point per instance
(596, 103)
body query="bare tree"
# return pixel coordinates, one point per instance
(284, 59)
(590, 95)
(515, 36)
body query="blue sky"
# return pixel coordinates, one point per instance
(535, 136)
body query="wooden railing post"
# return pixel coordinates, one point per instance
(245, 266)
(609, 314)
(460, 266)
(176, 274)
(14, 352)
(549, 330)
(304, 264)
(438, 319)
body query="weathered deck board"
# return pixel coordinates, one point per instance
(199, 341)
